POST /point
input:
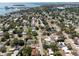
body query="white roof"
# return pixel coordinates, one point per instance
(1, 31)
(11, 49)
(62, 43)
(24, 20)
(15, 19)
(15, 53)
(66, 49)
(54, 36)
(70, 54)
(23, 32)
(33, 28)
(33, 18)
(48, 39)
(16, 27)
(42, 24)
(1, 45)
(60, 7)
(10, 31)
(33, 22)
(50, 51)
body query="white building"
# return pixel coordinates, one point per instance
(15, 53)
(61, 44)
(50, 52)
(33, 28)
(1, 45)
(15, 19)
(24, 33)
(33, 22)
(60, 7)
(49, 40)
(10, 31)
(54, 37)
(6, 25)
(1, 25)
(76, 40)
(1, 33)
(66, 51)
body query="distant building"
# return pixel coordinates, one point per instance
(61, 7)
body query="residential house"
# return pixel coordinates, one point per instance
(34, 52)
(50, 52)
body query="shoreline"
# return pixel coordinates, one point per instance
(9, 13)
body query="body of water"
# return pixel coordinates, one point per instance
(10, 7)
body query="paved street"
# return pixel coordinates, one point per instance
(40, 43)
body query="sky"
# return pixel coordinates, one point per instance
(39, 1)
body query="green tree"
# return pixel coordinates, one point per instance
(15, 31)
(54, 47)
(46, 46)
(34, 33)
(12, 24)
(14, 42)
(20, 35)
(6, 35)
(8, 43)
(21, 42)
(26, 51)
(57, 53)
(5, 29)
(3, 39)
(37, 28)
(29, 32)
(61, 39)
(3, 49)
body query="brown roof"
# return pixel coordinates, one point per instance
(34, 52)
